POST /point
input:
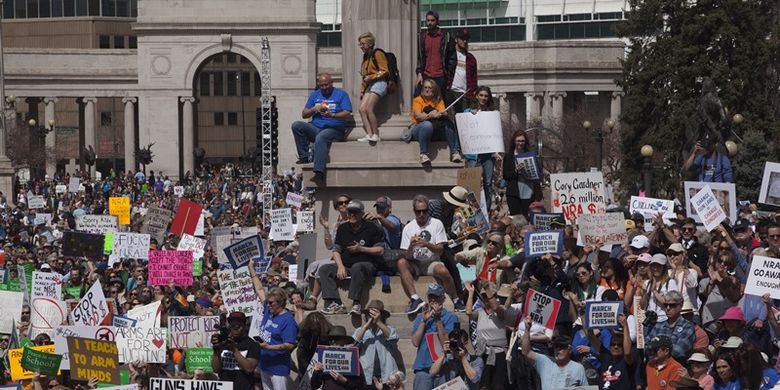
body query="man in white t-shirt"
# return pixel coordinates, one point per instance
(423, 242)
(462, 79)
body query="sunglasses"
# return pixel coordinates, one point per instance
(4, 340)
(773, 236)
(582, 273)
(616, 345)
(688, 229)
(422, 211)
(342, 202)
(496, 243)
(674, 253)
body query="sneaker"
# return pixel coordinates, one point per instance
(374, 138)
(424, 159)
(302, 161)
(456, 157)
(356, 310)
(364, 139)
(334, 308)
(460, 307)
(318, 177)
(310, 304)
(415, 306)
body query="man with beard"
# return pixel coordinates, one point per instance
(556, 372)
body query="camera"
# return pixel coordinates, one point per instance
(651, 318)
(224, 333)
(454, 344)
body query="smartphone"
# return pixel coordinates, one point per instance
(258, 339)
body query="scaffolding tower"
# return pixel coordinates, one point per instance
(266, 151)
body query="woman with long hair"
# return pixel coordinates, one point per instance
(373, 86)
(312, 331)
(583, 288)
(483, 101)
(430, 123)
(613, 276)
(519, 190)
(726, 373)
(659, 284)
(753, 371)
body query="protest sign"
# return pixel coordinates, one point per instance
(198, 358)
(192, 332)
(294, 200)
(193, 244)
(124, 377)
(17, 386)
(167, 266)
(92, 308)
(609, 228)
(36, 202)
(62, 333)
(96, 224)
(764, 277)
(281, 225)
(639, 313)
(200, 228)
(188, 384)
(481, 132)
(119, 321)
(540, 243)
(650, 207)
(72, 304)
(454, 384)
(471, 180)
(12, 310)
(725, 193)
(73, 184)
(120, 206)
(39, 360)
(602, 314)
(542, 308)
(148, 316)
(240, 253)
(21, 371)
(577, 193)
(60, 189)
(435, 349)
(707, 208)
(186, 218)
(93, 359)
(47, 310)
(42, 219)
(131, 246)
(178, 191)
(261, 264)
(238, 292)
(541, 221)
(527, 166)
(156, 222)
(770, 185)
(344, 360)
(79, 244)
(305, 219)
(147, 345)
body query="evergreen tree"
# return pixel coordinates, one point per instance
(748, 165)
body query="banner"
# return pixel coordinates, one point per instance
(602, 314)
(577, 193)
(609, 228)
(47, 309)
(156, 223)
(281, 225)
(238, 292)
(94, 359)
(481, 132)
(344, 360)
(144, 344)
(540, 243)
(78, 244)
(764, 277)
(192, 331)
(12, 310)
(186, 218)
(61, 334)
(188, 384)
(92, 308)
(166, 266)
(527, 166)
(707, 208)
(148, 316)
(193, 244)
(541, 221)
(294, 200)
(131, 246)
(650, 207)
(21, 369)
(36, 202)
(542, 308)
(120, 206)
(240, 253)
(96, 224)
(471, 180)
(305, 219)
(198, 358)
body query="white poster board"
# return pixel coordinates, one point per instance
(36, 202)
(96, 224)
(281, 225)
(764, 277)
(577, 193)
(131, 246)
(194, 244)
(305, 219)
(294, 200)
(147, 345)
(725, 193)
(650, 207)
(92, 308)
(770, 185)
(47, 308)
(12, 309)
(707, 208)
(192, 331)
(481, 132)
(608, 228)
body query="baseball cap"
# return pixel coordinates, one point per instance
(741, 224)
(436, 290)
(383, 202)
(640, 242)
(660, 341)
(676, 248)
(356, 205)
(644, 257)
(658, 258)
(236, 316)
(732, 343)
(699, 358)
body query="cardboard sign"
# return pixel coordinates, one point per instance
(61, 188)
(74, 184)
(156, 222)
(540, 243)
(120, 206)
(541, 221)
(131, 246)
(261, 264)
(481, 132)
(96, 224)
(15, 362)
(61, 334)
(639, 314)
(577, 193)
(78, 244)
(602, 314)
(187, 384)
(12, 310)
(178, 191)
(281, 225)
(147, 345)
(198, 358)
(193, 244)
(166, 266)
(92, 308)
(435, 349)
(42, 362)
(200, 228)
(708, 209)
(238, 292)
(455, 384)
(527, 166)
(240, 253)
(186, 219)
(764, 277)
(542, 308)
(36, 202)
(94, 359)
(725, 195)
(609, 228)
(148, 316)
(650, 207)
(123, 322)
(47, 308)
(192, 331)
(305, 219)
(344, 360)
(42, 219)
(471, 179)
(294, 200)
(770, 185)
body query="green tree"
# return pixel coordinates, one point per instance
(673, 44)
(748, 165)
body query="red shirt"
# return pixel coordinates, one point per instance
(434, 65)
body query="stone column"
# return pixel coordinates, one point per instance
(533, 107)
(129, 132)
(90, 136)
(51, 137)
(188, 133)
(556, 101)
(616, 107)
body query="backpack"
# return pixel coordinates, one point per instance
(393, 76)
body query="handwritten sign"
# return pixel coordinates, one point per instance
(238, 292)
(305, 219)
(281, 225)
(602, 314)
(147, 345)
(540, 243)
(240, 253)
(608, 228)
(131, 246)
(725, 194)
(166, 266)
(42, 219)
(61, 188)
(92, 308)
(96, 224)
(12, 310)
(120, 206)
(764, 277)
(639, 313)
(480, 133)
(21, 370)
(47, 308)
(193, 244)
(74, 184)
(156, 222)
(178, 191)
(294, 200)
(527, 166)
(650, 207)
(94, 359)
(577, 193)
(186, 218)
(708, 208)
(198, 358)
(36, 202)
(542, 221)
(542, 308)
(344, 360)
(192, 332)
(187, 384)
(61, 334)
(148, 316)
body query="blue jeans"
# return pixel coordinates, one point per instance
(306, 133)
(425, 381)
(423, 133)
(484, 160)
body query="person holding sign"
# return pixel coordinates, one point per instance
(332, 379)
(519, 190)
(429, 332)
(483, 101)
(458, 362)
(377, 342)
(235, 355)
(556, 372)
(430, 123)
(620, 364)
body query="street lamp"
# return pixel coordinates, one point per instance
(598, 136)
(42, 130)
(647, 168)
(732, 148)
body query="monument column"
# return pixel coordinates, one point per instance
(129, 132)
(556, 100)
(533, 107)
(188, 134)
(51, 137)
(616, 106)
(89, 122)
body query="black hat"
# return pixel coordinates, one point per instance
(463, 34)
(236, 316)
(339, 332)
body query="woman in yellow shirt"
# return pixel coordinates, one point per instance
(430, 123)
(374, 71)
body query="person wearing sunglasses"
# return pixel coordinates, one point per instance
(697, 252)
(678, 329)
(619, 365)
(558, 370)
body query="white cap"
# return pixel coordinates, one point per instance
(699, 357)
(658, 258)
(640, 242)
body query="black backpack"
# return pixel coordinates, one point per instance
(393, 76)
